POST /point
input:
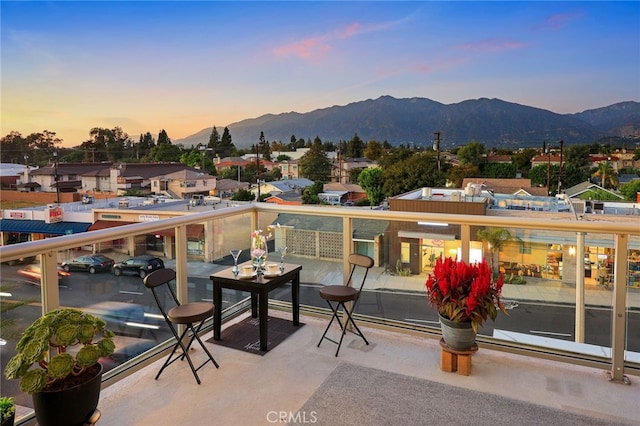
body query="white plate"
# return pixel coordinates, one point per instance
(246, 277)
(268, 275)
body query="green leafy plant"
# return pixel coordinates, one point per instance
(7, 407)
(403, 272)
(54, 334)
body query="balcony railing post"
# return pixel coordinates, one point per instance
(347, 248)
(49, 289)
(465, 239)
(618, 321)
(580, 309)
(182, 287)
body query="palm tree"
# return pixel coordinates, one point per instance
(495, 238)
(606, 174)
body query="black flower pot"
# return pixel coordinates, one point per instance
(68, 407)
(10, 420)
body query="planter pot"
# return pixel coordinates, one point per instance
(9, 421)
(68, 407)
(457, 335)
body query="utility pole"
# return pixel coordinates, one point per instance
(258, 168)
(340, 163)
(437, 148)
(55, 176)
(548, 170)
(560, 171)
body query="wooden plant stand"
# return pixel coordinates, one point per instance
(454, 360)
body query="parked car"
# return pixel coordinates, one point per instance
(211, 199)
(139, 265)
(92, 263)
(33, 274)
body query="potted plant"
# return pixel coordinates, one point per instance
(7, 410)
(57, 359)
(465, 296)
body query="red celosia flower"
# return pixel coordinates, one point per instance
(463, 292)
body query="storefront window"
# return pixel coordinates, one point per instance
(155, 243)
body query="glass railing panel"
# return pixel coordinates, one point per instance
(19, 302)
(117, 294)
(541, 267)
(633, 301)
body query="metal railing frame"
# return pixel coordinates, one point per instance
(48, 249)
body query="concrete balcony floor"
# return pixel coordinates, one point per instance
(248, 387)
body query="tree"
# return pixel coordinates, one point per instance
(354, 148)
(374, 151)
(630, 190)
(457, 174)
(499, 170)
(577, 155)
(14, 148)
(572, 175)
(146, 144)
(310, 193)
(243, 195)
(540, 173)
(606, 174)
(495, 238)
(417, 171)
(371, 182)
(165, 151)
(315, 165)
(214, 141)
(472, 153)
(522, 160)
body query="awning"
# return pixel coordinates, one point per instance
(104, 224)
(193, 231)
(40, 227)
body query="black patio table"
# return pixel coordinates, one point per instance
(259, 286)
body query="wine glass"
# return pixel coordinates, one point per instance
(235, 253)
(283, 252)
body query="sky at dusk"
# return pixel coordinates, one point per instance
(69, 66)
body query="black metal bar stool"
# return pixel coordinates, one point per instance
(186, 314)
(338, 295)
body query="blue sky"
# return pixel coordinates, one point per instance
(183, 66)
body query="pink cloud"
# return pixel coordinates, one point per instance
(559, 21)
(314, 48)
(349, 31)
(310, 48)
(491, 45)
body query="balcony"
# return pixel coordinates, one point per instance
(578, 366)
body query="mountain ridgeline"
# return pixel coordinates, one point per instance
(492, 122)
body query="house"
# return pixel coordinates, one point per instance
(506, 186)
(13, 175)
(597, 159)
(281, 186)
(68, 177)
(588, 191)
(184, 183)
(290, 169)
(291, 198)
(341, 168)
(338, 193)
(226, 187)
(545, 159)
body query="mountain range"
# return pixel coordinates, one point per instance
(492, 122)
